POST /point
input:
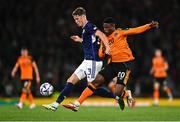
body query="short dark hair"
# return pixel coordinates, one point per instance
(24, 48)
(79, 11)
(109, 20)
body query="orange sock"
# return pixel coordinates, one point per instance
(156, 94)
(23, 97)
(84, 95)
(31, 99)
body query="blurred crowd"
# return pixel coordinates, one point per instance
(45, 27)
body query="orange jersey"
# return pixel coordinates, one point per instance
(26, 67)
(159, 67)
(119, 48)
(101, 51)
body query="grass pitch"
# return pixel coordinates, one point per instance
(161, 113)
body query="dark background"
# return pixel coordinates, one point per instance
(44, 26)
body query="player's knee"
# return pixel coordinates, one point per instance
(24, 90)
(99, 80)
(156, 86)
(73, 79)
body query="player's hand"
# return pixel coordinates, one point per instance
(102, 48)
(154, 24)
(38, 79)
(12, 74)
(76, 38)
(107, 51)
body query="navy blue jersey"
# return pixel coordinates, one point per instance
(90, 42)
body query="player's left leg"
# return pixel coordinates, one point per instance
(167, 90)
(30, 95)
(31, 100)
(122, 79)
(127, 93)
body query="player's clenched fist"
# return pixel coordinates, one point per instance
(76, 38)
(154, 24)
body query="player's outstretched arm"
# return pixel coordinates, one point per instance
(36, 72)
(104, 39)
(141, 29)
(76, 38)
(15, 69)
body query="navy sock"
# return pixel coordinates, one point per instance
(104, 92)
(65, 92)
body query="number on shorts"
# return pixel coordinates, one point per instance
(121, 75)
(88, 73)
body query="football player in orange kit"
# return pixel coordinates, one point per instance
(26, 64)
(159, 72)
(113, 82)
(121, 57)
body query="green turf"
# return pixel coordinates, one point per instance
(91, 114)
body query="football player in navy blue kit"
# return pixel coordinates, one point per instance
(91, 64)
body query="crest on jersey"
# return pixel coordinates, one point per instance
(111, 41)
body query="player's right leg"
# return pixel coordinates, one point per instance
(30, 95)
(64, 93)
(156, 93)
(22, 99)
(23, 95)
(74, 78)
